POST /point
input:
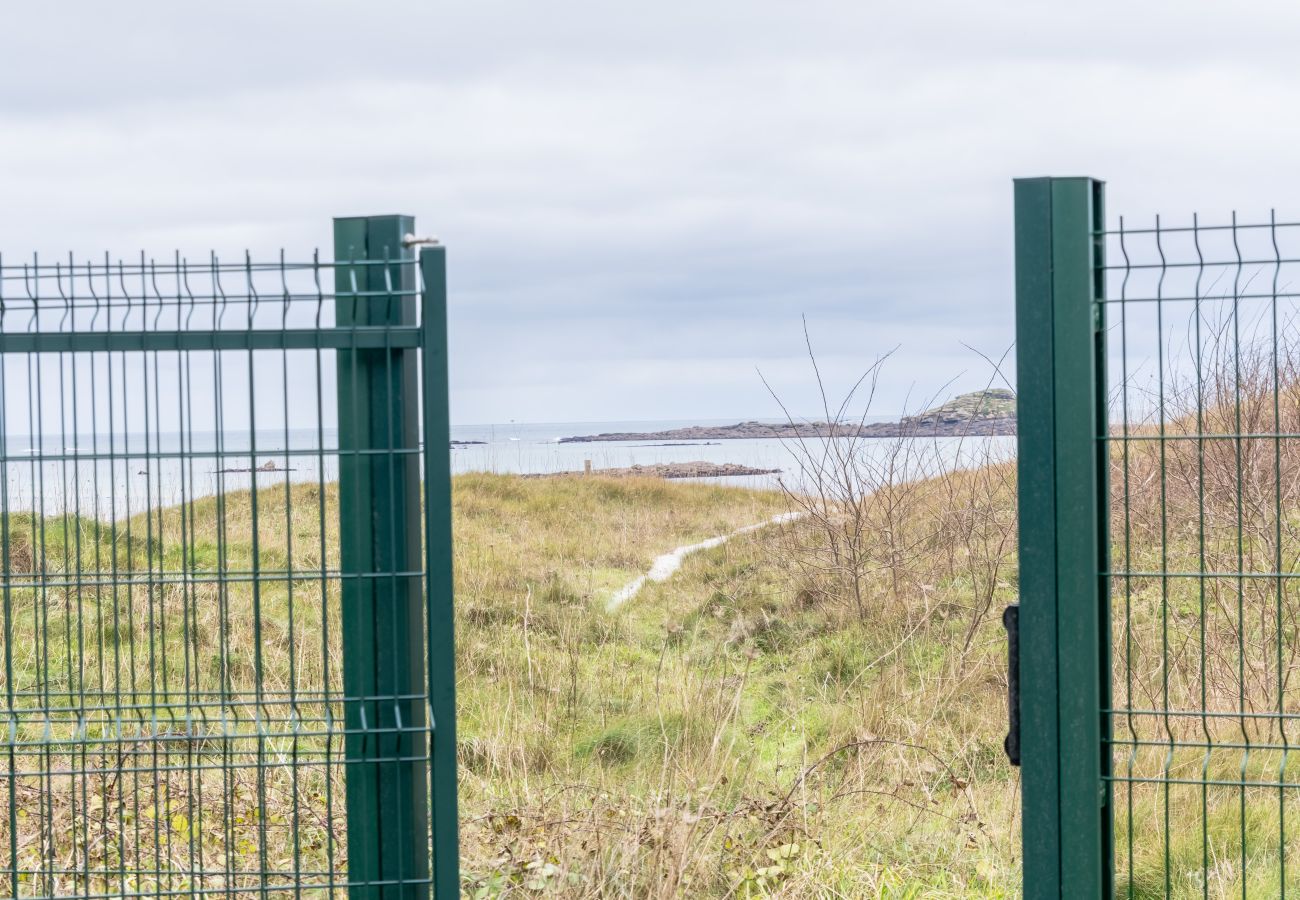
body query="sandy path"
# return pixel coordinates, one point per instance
(664, 566)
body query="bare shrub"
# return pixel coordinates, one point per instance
(882, 522)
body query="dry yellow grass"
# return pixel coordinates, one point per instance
(755, 725)
(729, 733)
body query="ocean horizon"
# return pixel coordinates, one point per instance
(107, 476)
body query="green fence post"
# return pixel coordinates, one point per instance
(437, 528)
(1064, 673)
(382, 601)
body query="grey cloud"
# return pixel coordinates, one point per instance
(640, 202)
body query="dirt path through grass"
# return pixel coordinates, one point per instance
(664, 566)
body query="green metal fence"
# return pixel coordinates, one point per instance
(1159, 371)
(226, 600)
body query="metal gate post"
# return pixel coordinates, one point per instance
(382, 600)
(1064, 606)
(437, 529)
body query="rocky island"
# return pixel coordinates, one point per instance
(981, 413)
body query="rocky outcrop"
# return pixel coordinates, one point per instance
(983, 413)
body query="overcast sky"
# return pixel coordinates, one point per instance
(641, 200)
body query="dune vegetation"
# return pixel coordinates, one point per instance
(812, 709)
(741, 729)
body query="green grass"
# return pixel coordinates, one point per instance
(739, 730)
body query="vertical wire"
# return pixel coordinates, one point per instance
(151, 589)
(229, 709)
(1241, 556)
(1277, 560)
(104, 832)
(1128, 547)
(82, 747)
(156, 510)
(114, 563)
(154, 513)
(195, 732)
(1201, 579)
(59, 714)
(258, 673)
(182, 575)
(42, 620)
(327, 691)
(130, 453)
(33, 456)
(6, 603)
(1164, 555)
(294, 712)
(65, 361)
(61, 362)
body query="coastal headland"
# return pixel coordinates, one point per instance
(989, 413)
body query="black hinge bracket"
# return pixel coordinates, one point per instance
(1011, 621)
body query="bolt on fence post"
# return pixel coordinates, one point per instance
(438, 538)
(382, 602)
(1064, 605)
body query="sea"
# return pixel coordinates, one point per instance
(535, 448)
(108, 477)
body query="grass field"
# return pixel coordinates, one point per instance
(724, 734)
(727, 733)
(753, 726)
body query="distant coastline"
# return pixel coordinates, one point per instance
(989, 413)
(693, 469)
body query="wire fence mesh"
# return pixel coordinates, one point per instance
(194, 679)
(1204, 451)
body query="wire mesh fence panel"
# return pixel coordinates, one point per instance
(216, 616)
(1204, 454)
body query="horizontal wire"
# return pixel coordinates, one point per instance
(1200, 782)
(1210, 436)
(230, 698)
(55, 744)
(1186, 229)
(1200, 745)
(1201, 266)
(258, 888)
(127, 455)
(194, 268)
(1192, 298)
(1205, 576)
(372, 337)
(271, 300)
(1198, 713)
(207, 576)
(329, 761)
